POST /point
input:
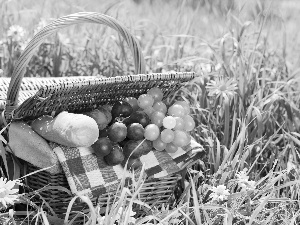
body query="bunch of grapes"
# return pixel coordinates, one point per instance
(169, 127)
(148, 117)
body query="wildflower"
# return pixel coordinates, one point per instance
(219, 193)
(7, 194)
(221, 86)
(41, 25)
(218, 67)
(243, 180)
(101, 220)
(16, 32)
(242, 176)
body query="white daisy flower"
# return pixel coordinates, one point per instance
(7, 194)
(242, 176)
(16, 32)
(243, 180)
(43, 22)
(219, 193)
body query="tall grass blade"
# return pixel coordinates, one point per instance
(227, 120)
(259, 209)
(196, 203)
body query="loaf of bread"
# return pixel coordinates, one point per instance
(29, 146)
(69, 129)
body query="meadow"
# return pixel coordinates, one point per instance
(245, 104)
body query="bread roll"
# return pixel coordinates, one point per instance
(69, 129)
(29, 146)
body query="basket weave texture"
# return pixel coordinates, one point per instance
(30, 85)
(31, 98)
(84, 96)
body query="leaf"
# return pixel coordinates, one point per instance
(44, 217)
(3, 139)
(293, 138)
(196, 203)
(3, 155)
(288, 184)
(259, 209)
(141, 203)
(244, 27)
(233, 127)
(147, 219)
(189, 219)
(224, 177)
(218, 156)
(233, 147)
(259, 121)
(69, 209)
(227, 120)
(265, 146)
(245, 156)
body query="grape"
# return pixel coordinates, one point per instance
(151, 132)
(167, 135)
(176, 110)
(159, 145)
(179, 123)
(185, 105)
(135, 131)
(117, 132)
(156, 93)
(189, 123)
(160, 106)
(149, 110)
(157, 118)
(171, 148)
(181, 138)
(169, 122)
(145, 101)
(121, 109)
(133, 102)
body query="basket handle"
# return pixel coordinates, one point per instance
(62, 22)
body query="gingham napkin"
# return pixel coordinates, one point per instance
(89, 175)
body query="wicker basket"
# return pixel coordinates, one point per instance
(51, 96)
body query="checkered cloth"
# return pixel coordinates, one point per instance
(89, 175)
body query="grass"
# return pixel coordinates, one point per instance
(246, 103)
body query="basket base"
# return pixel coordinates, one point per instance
(47, 190)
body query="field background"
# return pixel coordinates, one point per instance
(245, 104)
(169, 31)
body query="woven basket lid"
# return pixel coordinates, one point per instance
(83, 96)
